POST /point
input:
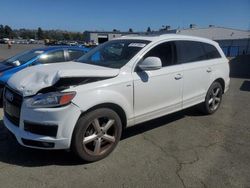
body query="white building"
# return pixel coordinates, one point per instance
(233, 41)
(103, 36)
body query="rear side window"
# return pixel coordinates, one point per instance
(211, 51)
(189, 51)
(52, 57)
(75, 54)
(165, 51)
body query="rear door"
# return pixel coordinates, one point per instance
(158, 92)
(196, 71)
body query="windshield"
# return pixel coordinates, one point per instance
(113, 54)
(23, 57)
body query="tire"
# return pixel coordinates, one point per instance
(96, 134)
(213, 99)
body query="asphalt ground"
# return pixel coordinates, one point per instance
(15, 49)
(184, 149)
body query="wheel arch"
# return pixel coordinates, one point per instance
(222, 82)
(117, 108)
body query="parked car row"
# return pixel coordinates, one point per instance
(20, 41)
(4, 40)
(86, 104)
(53, 42)
(37, 56)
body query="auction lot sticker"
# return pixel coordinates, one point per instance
(139, 45)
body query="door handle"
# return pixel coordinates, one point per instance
(178, 76)
(209, 69)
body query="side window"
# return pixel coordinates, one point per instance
(165, 51)
(75, 54)
(189, 51)
(52, 57)
(211, 51)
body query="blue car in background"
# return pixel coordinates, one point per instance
(45, 55)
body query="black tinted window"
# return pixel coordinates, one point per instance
(52, 57)
(189, 51)
(165, 51)
(75, 54)
(211, 51)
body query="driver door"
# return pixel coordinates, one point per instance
(158, 92)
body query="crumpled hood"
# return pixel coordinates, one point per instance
(32, 79)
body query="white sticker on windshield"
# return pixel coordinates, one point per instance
(39, 52)
(139, 45)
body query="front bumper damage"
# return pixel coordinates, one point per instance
(63, 118)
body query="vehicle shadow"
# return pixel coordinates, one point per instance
(12, 153)
(240, 67)
(159, 122)
(245, 86)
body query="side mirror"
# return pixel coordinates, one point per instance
(16, 63)
(150, 63)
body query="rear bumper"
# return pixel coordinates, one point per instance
(227, 84)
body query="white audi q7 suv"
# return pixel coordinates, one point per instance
(85, 105)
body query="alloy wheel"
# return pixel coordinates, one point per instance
(214, 98)
(100, 136)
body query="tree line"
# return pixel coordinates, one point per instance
(39, 34)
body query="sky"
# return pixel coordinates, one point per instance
(80, 15)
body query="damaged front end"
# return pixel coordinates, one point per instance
(54, 97)
(57, 77)
(65, 83)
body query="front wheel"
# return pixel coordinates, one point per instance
(213, 98)
(96, 134)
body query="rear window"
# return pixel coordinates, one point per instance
(192, 51)
(211, 51)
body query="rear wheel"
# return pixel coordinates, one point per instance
(96, 134)
(213, 98)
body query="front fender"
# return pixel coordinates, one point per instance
(124, 99)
